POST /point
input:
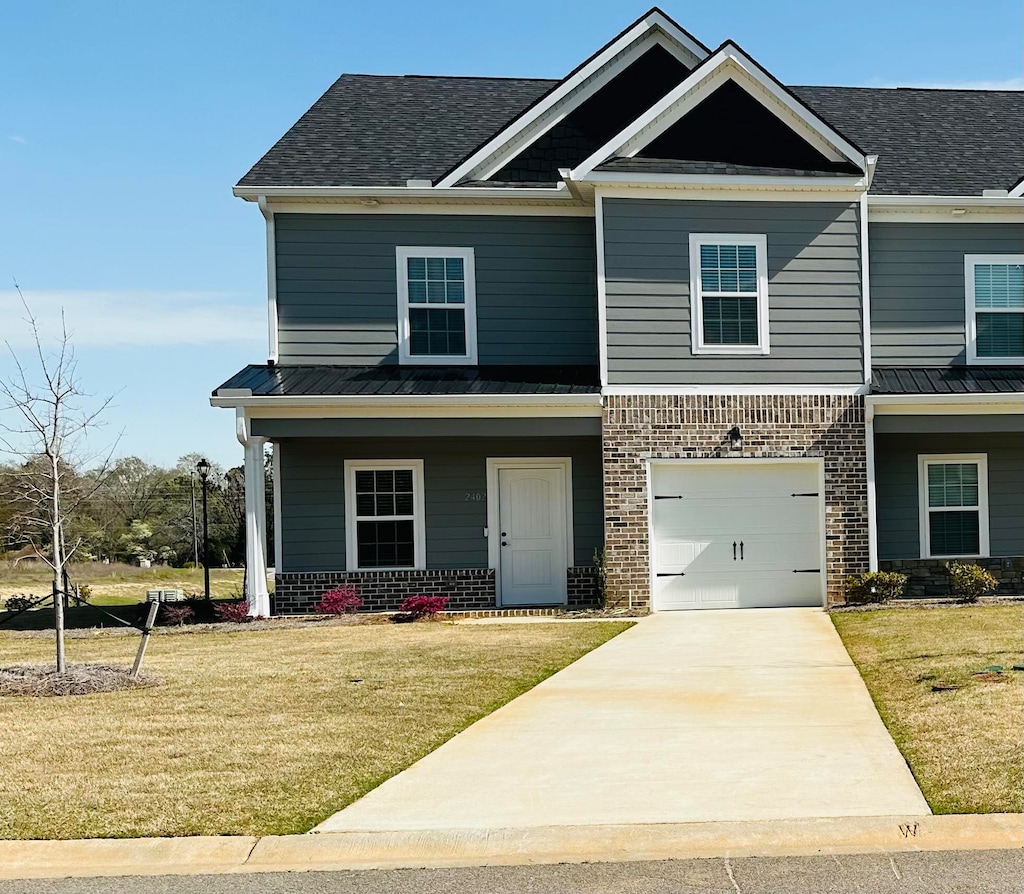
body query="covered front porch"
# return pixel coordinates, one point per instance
(492, 498)
(947, 482)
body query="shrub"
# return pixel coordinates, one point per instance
(601, 567)
(415, 607)
(18, 603)
(203, 609)
(233, 612)
(175, 615)
(970, 581)
(339, 601)
(875, 586)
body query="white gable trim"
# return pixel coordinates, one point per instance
(1018, 190)
(654, 28)
(728, 63)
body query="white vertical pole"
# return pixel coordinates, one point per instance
(255, 518)
(869, 446)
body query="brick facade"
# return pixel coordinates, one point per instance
(467, 589)
(638, 428)
(928, 579)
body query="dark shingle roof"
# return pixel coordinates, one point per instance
(332, 381)
(640, 165)
(948, 380)
(382, 130)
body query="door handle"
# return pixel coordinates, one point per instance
(734, 550)
(504, 543)
(741, 550)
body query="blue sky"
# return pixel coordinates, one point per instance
(124, 125)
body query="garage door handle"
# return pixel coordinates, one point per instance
(734, 550)
(741, 550)
(671, 574)
(806, 571)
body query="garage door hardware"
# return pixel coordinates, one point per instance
(671, 574)
(668, 497)
(815, 494)
(806, 571)
(734, 550)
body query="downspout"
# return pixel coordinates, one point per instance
(865, 264)
(273, 343)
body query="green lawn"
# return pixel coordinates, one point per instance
(964, 745)
(256, 731)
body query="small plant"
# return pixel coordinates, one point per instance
(233, 612)
(970, 581)
(415, 607)
(85, 591)
(175, 615)
(339, 601)
(18, 603)
(875, 586)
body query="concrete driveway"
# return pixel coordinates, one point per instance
(687, 717)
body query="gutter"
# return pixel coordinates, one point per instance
(253, 193)
(243, 397)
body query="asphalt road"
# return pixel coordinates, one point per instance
(951, 872)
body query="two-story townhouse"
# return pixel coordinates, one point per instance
(747, 338)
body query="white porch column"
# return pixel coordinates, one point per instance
(255, 519)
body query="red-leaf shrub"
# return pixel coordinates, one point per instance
(415, 607)
(175, 615)
(233, 612)
(339, 601)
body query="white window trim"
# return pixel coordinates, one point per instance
(760, 242)
(419, 525)
(970, 262)
(402, 255)
(925, 460)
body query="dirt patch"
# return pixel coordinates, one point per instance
(34, 680)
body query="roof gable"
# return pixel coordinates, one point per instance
(734, 85)
(653, 28)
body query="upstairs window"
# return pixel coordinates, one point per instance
(436, 305)
(995, 308)
(384, 514)
(729, 293)
(954, 505)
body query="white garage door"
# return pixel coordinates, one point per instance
(733, 535)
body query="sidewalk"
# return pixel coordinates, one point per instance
(506, 847)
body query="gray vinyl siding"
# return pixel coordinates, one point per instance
(918, 297)
(896, 458)
(313, 494)
(814, 292)
(536, 285)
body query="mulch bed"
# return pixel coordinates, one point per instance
(35, 680)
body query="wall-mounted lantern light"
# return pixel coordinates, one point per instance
(735, 438)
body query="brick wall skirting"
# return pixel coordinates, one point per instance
(639, 428)
(927, 578)
(467, 589)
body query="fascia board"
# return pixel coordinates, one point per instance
(811, 184)
(946, 201)
(251, 402)
(960, 404)
(253, 193)
(644, 26)
(727, 53)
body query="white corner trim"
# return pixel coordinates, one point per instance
(869, 461)
(419, 513)
(725, 390)
(924, 510)
(739, 67)
(760, 243)
(496, 464)
(1017, 191)
(273, 343)
(971, 331)
(278, 504)
(467, 255)
(602, 290)
(865, 280)
(575, 89)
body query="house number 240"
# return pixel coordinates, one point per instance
(475, 496)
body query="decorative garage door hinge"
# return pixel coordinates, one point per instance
(814, 494)
(671, 574)
(668, 496)
(806, 571)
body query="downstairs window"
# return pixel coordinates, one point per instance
(384, 515)
(954, 505)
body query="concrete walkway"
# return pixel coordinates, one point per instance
(688, 717)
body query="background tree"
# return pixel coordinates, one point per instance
(48, 419)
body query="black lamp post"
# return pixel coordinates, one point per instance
(203, 468)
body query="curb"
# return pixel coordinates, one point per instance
(446, 848)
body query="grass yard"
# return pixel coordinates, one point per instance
(120, 584)
(966, 745)
(256, 732)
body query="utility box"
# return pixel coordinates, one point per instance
(165, 595)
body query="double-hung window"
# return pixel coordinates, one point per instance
(384, 523)
(436, 305)
(954, 505)
(729, 293)
(995, 308)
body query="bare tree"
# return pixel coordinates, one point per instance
(54, 417)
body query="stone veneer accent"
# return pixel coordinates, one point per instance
(638, 428)
(927, 578)
(467, 589)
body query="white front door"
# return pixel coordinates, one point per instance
(533, 555)
(733, 535)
